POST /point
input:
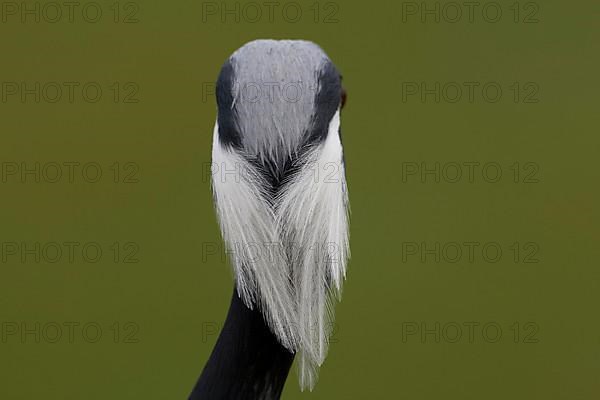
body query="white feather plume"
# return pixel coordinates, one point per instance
(247, 225)
(312, 214)
(303, 238)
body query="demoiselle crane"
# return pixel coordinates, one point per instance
(281, 199)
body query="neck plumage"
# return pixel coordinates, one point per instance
(247, 362)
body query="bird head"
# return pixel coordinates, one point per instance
(276, 98)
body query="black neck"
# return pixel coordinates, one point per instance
(247, 362)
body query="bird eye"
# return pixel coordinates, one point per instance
(344, 96)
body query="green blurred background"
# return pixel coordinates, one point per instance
(144, 329)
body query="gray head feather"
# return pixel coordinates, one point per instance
(275, 86)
